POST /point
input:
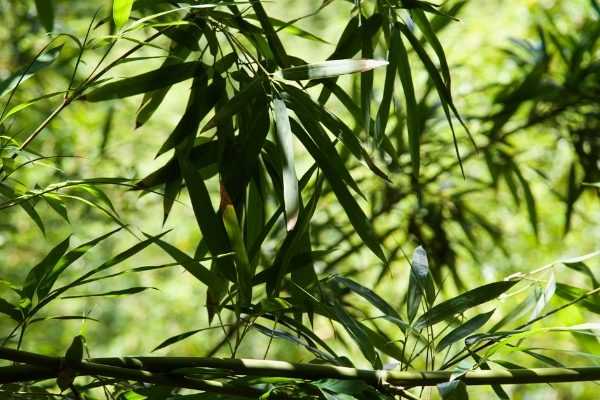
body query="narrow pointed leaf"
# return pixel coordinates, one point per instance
(45, 12)
(291, 197)
(412, 111)
(357, 217)
(121, 11)
(464, 330)
(147, 82)
(331, 68)
(463, 302)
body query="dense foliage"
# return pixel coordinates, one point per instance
(343, 200)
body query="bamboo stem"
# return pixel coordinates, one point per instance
(176, 371)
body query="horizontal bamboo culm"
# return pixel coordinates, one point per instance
(179, 371)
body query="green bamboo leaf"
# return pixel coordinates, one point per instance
(584, 269)
(529, 200)
(331, 68)
(113, 261)
(463, 302)
(420, 283)
(245, 272)
(383, 112)
(152, 100)
(11, 310)
(291, 196)
(65, 261)
(426, 28)
(199, 271)
(412, 111)
(280, 334)
(212, 228)
(571, 293)
(275, 44)
(454, 390)
(200, 102)
(311, 115)
(235, 104)
(464, 330)
(122, 292)
(56, 203)
(443, 92)
(502, 395)
(45, 12)
(292, 29)
(573, 192)
(358, 334)
(182, 336)
(162, 77)
(420, 268)
(25, 204)
(357, 217)
(121, 12)
(366, 79)
(368, 295)
(544, 297)
(35, 277)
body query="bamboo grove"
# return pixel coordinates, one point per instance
(309, 181)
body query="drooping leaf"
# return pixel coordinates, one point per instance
(412, 111)
(122, 292)
(291, 196)
(464, 330)
(245, 272)
(368, 295)
(162, 77)
(357, 217)
(11, 310)
(45, 12)
(463, 302)
(37, 274)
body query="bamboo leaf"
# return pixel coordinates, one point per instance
(291, 196)
(182, 336)
(211, 227)
(162, 77)
(412, 111)
(443, 92)
(245, 272)
(194, 267)
(454, 390)
(464, 330)
(65, 261)
(331, 68)
(426, 28)
(529, 201)
(463, 302)
(121, 11)
(381, 120)
(39, 272)
(45, 12)
(122, 292)
(11, 310)
(357, 217)
(368, 295)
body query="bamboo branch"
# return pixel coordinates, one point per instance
(176, 371)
